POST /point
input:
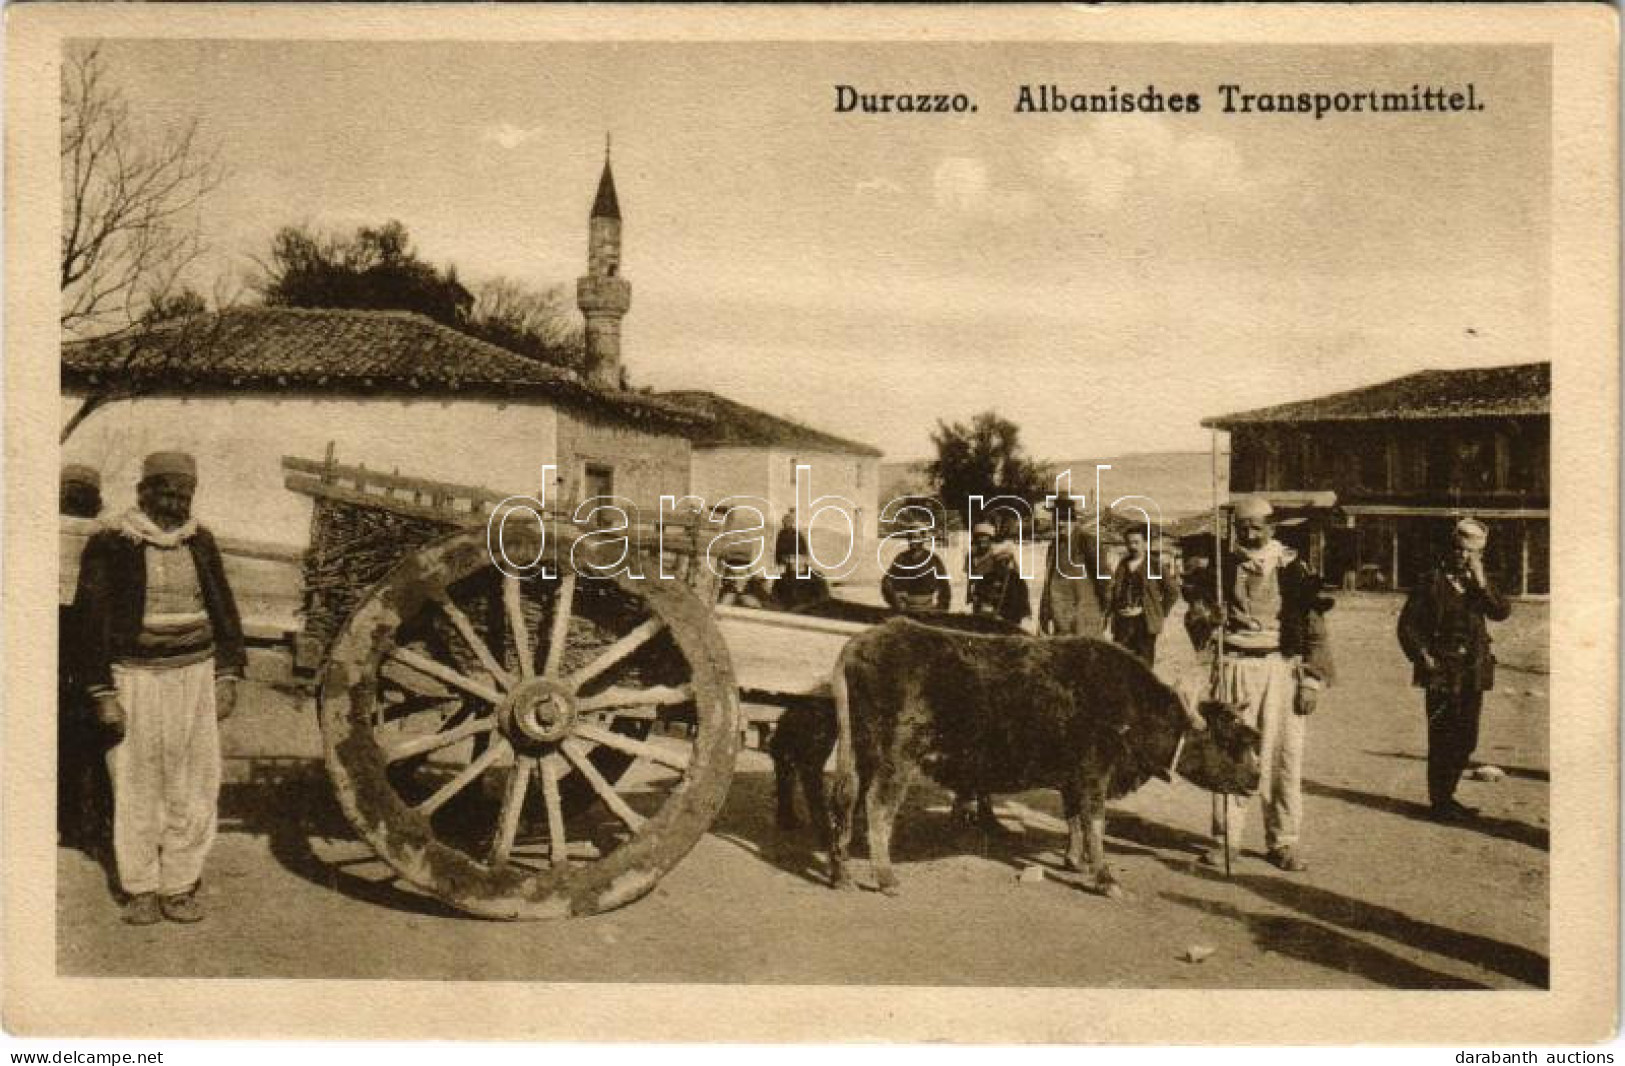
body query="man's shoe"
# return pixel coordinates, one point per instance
(182, 908)
(142, 909)
(1286, 858)
(1451, 811)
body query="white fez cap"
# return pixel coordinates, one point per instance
(1472, 533)
(1253, 507)
(982, 529)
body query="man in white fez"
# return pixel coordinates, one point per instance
(1442, 632)
(1276, 661)
(994, 585)
(161, 648)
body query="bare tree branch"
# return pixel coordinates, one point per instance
(130, 199)
(175, 331)
(538, 323)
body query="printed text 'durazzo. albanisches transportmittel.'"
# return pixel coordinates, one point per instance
(1229, 98)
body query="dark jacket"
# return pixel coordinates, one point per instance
(796, 592)
(917, 581)
(112, 596)
(788, 546)
(1160, 594)
(1201, 605)
(1448, 624)
(1074, 596)
(995, 587)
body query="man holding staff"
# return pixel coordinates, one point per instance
(1274, 662)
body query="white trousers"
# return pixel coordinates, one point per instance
(166, 776)
(1265, 688)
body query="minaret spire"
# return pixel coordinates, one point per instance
(602, 294)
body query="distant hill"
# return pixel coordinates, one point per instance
(1180, 482)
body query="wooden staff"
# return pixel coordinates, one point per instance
(1218, 648)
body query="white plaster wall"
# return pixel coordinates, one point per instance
(856, 478)
(720, 472)
(239, 442)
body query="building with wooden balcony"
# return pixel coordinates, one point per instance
(1407, 458)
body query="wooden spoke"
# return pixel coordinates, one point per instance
(559, 632)
(465, 629)
(617, 651)
(421, 745)
(516, 622)
(412, 683)
(558, 842)
(513, 804)
(398, 705)
(468, 775)
(440, 672)
(677, 760)
(606, 791)
(654, 696)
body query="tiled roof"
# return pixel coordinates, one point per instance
(736, 424)
(1482, 392)
(340, 351)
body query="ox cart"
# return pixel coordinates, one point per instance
(541, 742)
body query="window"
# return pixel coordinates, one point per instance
(1411, 463)
(598, 480)
(1371, 457)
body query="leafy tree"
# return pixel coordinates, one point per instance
(373, 269)
(985, 458)
(376, 268)
(130, 195)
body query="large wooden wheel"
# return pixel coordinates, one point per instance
(529, 747)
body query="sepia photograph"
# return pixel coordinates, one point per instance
(813, 513)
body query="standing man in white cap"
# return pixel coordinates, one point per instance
(1442, 632)
(994, 585)
(1276, 662)
(161, 647)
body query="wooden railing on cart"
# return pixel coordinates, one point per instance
(685, 532)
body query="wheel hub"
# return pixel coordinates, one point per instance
(538, 711)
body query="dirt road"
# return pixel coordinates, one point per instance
(1391, 899)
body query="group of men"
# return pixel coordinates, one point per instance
(152, 651)
(1129, 605)
(1273, 658)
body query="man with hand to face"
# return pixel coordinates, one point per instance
(1442, 632)
(161, 646)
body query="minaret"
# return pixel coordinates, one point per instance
(601, 293)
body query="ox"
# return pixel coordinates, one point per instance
(985, 714)
(804, 735)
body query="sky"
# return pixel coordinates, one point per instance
(1105, 281)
